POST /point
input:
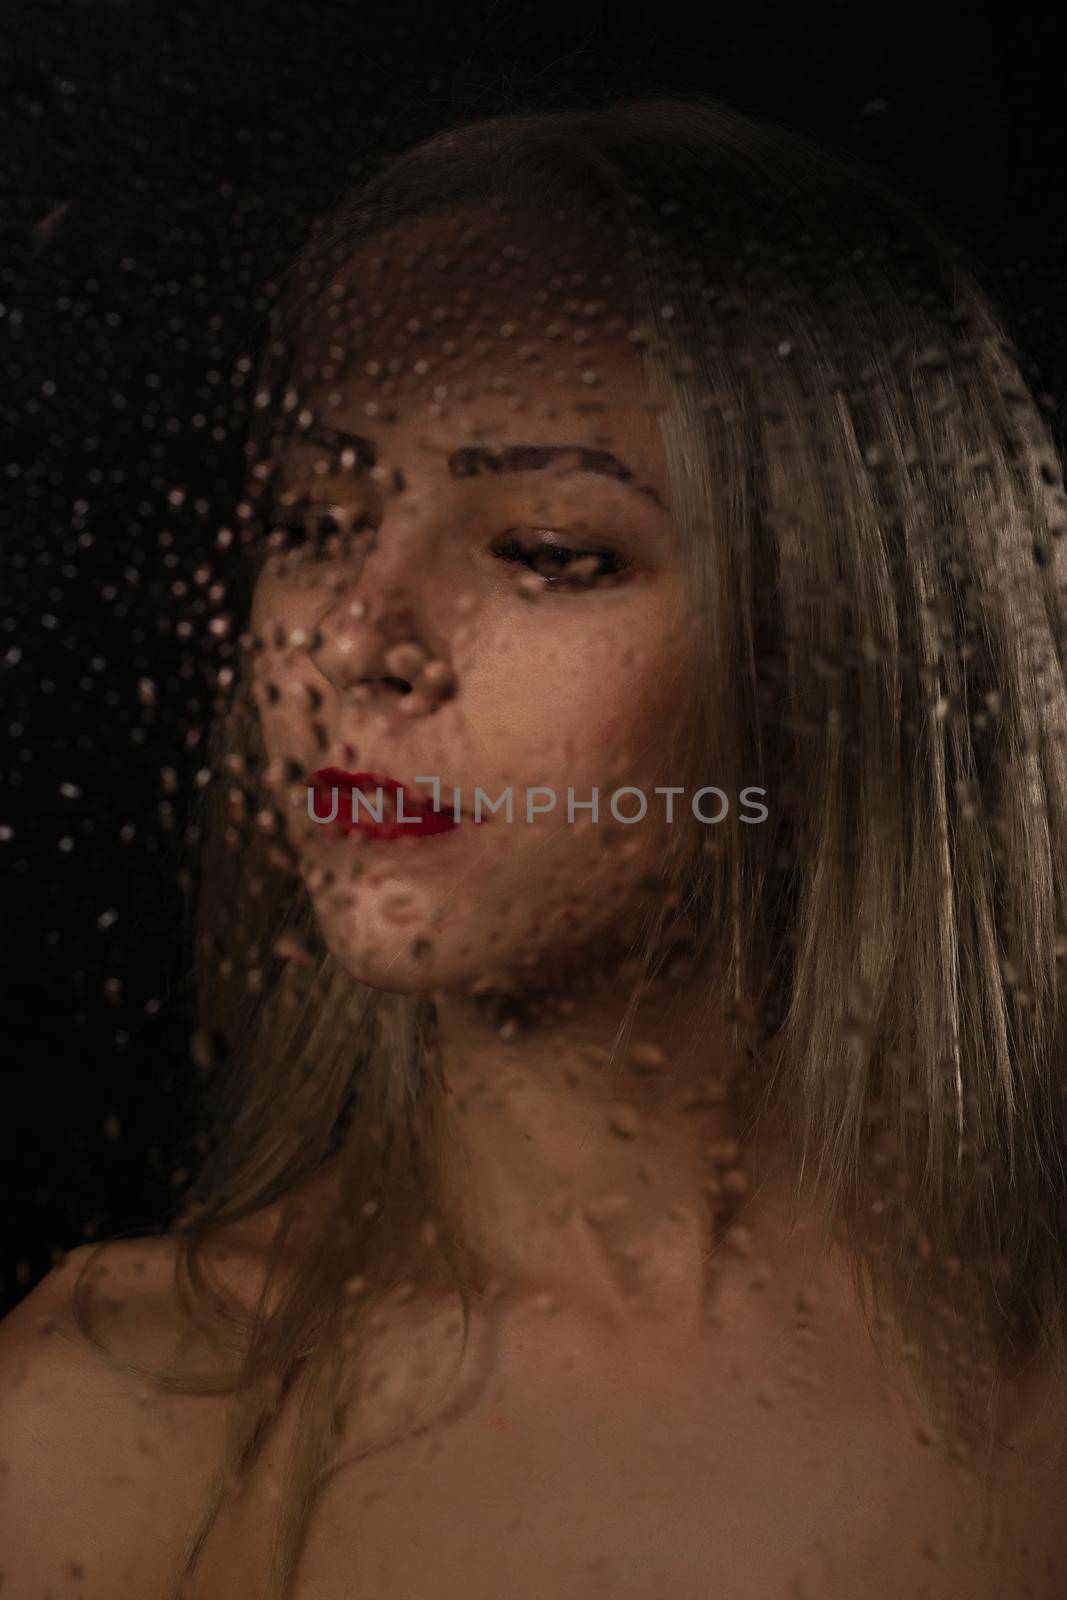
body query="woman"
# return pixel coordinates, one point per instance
(667, 1197)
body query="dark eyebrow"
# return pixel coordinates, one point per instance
(337, 439)
(469, 462)
(474, 459)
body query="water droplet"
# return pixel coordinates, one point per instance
(605, 1209)
(288, 949)
(646, 1057)
(723, 1151)
(625, 1121)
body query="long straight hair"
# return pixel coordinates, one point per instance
(871, 507)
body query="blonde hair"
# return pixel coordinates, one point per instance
(871, 507)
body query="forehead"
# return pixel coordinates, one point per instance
(474, 275)
(475, 326)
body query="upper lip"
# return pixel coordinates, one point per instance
(418, 797)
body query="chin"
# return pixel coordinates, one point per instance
(401, 946)
(410, 961)
(392, 964)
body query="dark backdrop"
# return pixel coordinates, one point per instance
(160, 162)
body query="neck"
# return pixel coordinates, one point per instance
(608, 1180)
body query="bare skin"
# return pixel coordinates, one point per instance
(770, 1456)
(669, 1390)
(772, 1459)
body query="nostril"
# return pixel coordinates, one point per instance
(400, 684)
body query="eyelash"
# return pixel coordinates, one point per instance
(299, 515)
(513, 550)
(297, 524)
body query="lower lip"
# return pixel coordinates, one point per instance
(423, 825)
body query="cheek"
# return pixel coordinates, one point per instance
(282, 678)
(266, 610)
(287, 705)
(288, 604)
(599, 695)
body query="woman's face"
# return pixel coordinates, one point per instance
(499, 413)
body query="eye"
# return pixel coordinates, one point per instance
(562, 566)
(319, 531)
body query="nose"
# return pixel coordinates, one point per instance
(357, 643)
(370, 648)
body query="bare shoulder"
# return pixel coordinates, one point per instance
(103, 1471)
(99, 1468)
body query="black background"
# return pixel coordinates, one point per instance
(160, 162)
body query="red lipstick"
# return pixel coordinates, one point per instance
(404, 814)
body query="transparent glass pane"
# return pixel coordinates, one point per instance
(536, 720)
